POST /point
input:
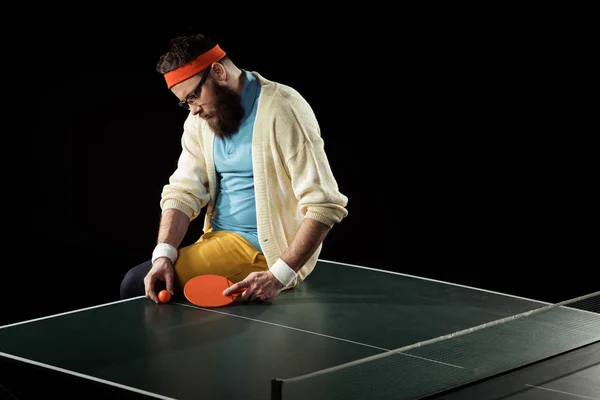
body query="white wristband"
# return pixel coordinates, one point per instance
(283, 272)
(165, 250)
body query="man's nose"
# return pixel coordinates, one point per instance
(195, 109)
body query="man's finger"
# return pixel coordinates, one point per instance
(169, 284)
(150, 291)
(235, 287)
(247, 295)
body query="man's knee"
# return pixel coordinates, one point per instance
(129, 286)
(132, 284)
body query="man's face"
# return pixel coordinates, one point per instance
(213, 101)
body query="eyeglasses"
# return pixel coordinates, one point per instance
(195, 95)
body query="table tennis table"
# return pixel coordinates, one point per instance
(347, 332)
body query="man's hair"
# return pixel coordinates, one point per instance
(182, 50)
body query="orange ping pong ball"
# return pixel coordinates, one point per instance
(164, 296)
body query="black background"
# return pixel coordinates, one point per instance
(458, 139)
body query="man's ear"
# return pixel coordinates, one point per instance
(219, 71)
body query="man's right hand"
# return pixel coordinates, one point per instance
(161, 270)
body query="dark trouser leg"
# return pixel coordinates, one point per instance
(132, 284)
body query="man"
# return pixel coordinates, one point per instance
(253, 155)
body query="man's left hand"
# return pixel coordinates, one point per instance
(261, 286)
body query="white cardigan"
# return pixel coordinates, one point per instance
(292, 176)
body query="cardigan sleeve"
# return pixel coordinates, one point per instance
(303, 151)
(187, 189)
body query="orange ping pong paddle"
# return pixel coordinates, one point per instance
(207, 291)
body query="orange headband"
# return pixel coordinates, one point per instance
(203, 61)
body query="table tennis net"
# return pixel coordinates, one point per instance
(432, 366)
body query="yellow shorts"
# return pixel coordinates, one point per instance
(222, 253)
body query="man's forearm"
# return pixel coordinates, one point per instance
(173, 227)
(309, 236)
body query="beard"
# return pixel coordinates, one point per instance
(228, 112)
